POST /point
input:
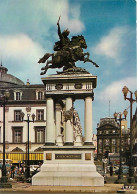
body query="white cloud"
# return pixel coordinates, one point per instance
(38, 19)
(112, 44)
(51, 10)
(63, 9)
(19, 46)
(20, 55)
(114, 90)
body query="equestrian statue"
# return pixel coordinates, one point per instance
(67, 52)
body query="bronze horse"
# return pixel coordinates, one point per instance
(67, 57)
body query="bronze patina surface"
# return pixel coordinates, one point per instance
(67, 53)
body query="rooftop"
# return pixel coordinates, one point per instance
(8, 80)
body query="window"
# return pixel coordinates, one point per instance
(17, 116)
(40, 115)
(113, 149)
(106, 141)
(100, 142)
(113, 141)
(40, 134)
(17, 135)
(40, 94)
(17, 95)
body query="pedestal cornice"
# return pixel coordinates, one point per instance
(75, 86)
(86, 147)
(70, 79)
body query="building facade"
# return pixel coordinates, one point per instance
(134, 129)
(108, 139)
(28, 99)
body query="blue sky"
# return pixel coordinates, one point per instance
(28, 30)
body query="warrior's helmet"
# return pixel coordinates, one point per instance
(66, 32)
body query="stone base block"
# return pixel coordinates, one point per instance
(68, 179)
(68, 166)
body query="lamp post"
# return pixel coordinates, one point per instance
(3, 101)
(118, 117)
(125, 91)
(28, 122)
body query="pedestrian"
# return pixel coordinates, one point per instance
(16, 170)
(12, 171)
(111, 170)
(40, 164)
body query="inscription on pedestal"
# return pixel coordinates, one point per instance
(67, 156)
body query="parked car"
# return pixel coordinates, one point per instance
(34, 169)
(125, 170)
(115, 168)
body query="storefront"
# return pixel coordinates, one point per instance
(34, 158)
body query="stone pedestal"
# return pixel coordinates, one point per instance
(70, 161)
(68, 166)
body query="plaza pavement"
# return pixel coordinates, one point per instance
(27, 187)
(109, 187)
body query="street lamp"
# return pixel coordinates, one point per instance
(28, 121)
(118, 117)
(3, 100)
(125, 91)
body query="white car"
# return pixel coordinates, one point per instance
(34, 168)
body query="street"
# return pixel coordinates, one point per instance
(35, 192)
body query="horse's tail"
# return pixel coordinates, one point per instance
(44, 58)
(96, 65)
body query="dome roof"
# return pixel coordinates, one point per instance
(8, 80)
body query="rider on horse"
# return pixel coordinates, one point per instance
(64, 43)
(64, 40)
(67, 52)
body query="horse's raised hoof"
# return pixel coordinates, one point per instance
(43, 68)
